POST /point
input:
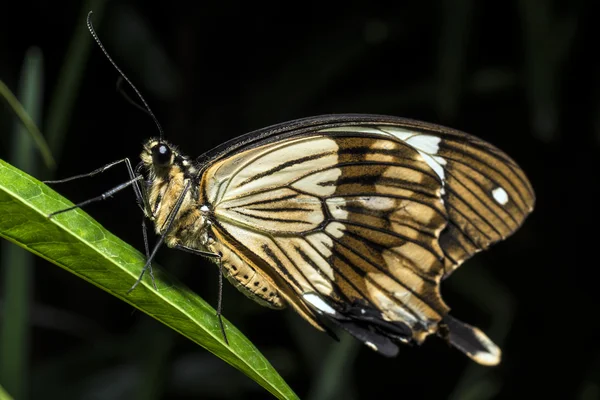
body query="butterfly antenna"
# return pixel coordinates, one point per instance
(137, 92)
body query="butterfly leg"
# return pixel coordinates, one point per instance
(93, 173)
(218, 257)
(161, 240)
(134, 180)
(137, 189)
(103, 196)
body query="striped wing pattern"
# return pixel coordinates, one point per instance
(363, 221)
(488, 198)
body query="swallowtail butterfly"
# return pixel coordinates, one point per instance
(354, 219)
(351, 220)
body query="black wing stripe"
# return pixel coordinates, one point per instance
(365, 163)
(488, 166)
(463, 223)
(338, 289)
(397, 235)
(272, 219)
(484, 201)
(454, 195)
(281, 268)
(267, 190)
(379, 180)
(378, 248)
(338, 272)
(385, 219)
(311, 262)
(392, 196)
(291, 260)
(387, 273)
(278, 210)
(285, 165)
(268, 201)
(453, 227)
(516, 195)
(519, 207)
(342, 258)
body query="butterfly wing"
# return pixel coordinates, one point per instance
(360, 217)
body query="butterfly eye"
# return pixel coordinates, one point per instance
(161, 155)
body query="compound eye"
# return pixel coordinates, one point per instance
(161, 155)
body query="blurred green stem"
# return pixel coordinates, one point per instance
(452, 51)
(333, 379)
(4, 395)
(17, 264)
(547, 36)
(29, 125)
(480, 287)
(158, 342)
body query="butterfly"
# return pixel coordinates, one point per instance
(351, 220)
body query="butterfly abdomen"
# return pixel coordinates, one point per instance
(247, 279)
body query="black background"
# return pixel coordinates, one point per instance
(522, 75)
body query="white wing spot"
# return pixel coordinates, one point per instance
(318, 303)
(319, 183)
(500, 195)
(400, 133)
(377, 203)
(426, 143)
(427, 146)
(371, 346)
(335, 229)
(435, 163)
(321, 242)
(336, 207)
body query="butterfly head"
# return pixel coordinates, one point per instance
(158, 155)
(162, 155)
(161, 158)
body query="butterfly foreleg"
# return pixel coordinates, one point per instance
(103, 196)
(134, 179)
(94, 172)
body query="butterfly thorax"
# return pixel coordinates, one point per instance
(171, 184)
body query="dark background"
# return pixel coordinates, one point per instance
(522, 75)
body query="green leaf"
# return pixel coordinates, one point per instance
(77, 243)
(4, 395)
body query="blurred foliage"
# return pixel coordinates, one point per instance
(17, 264)
(4, 395)
(520, 74)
